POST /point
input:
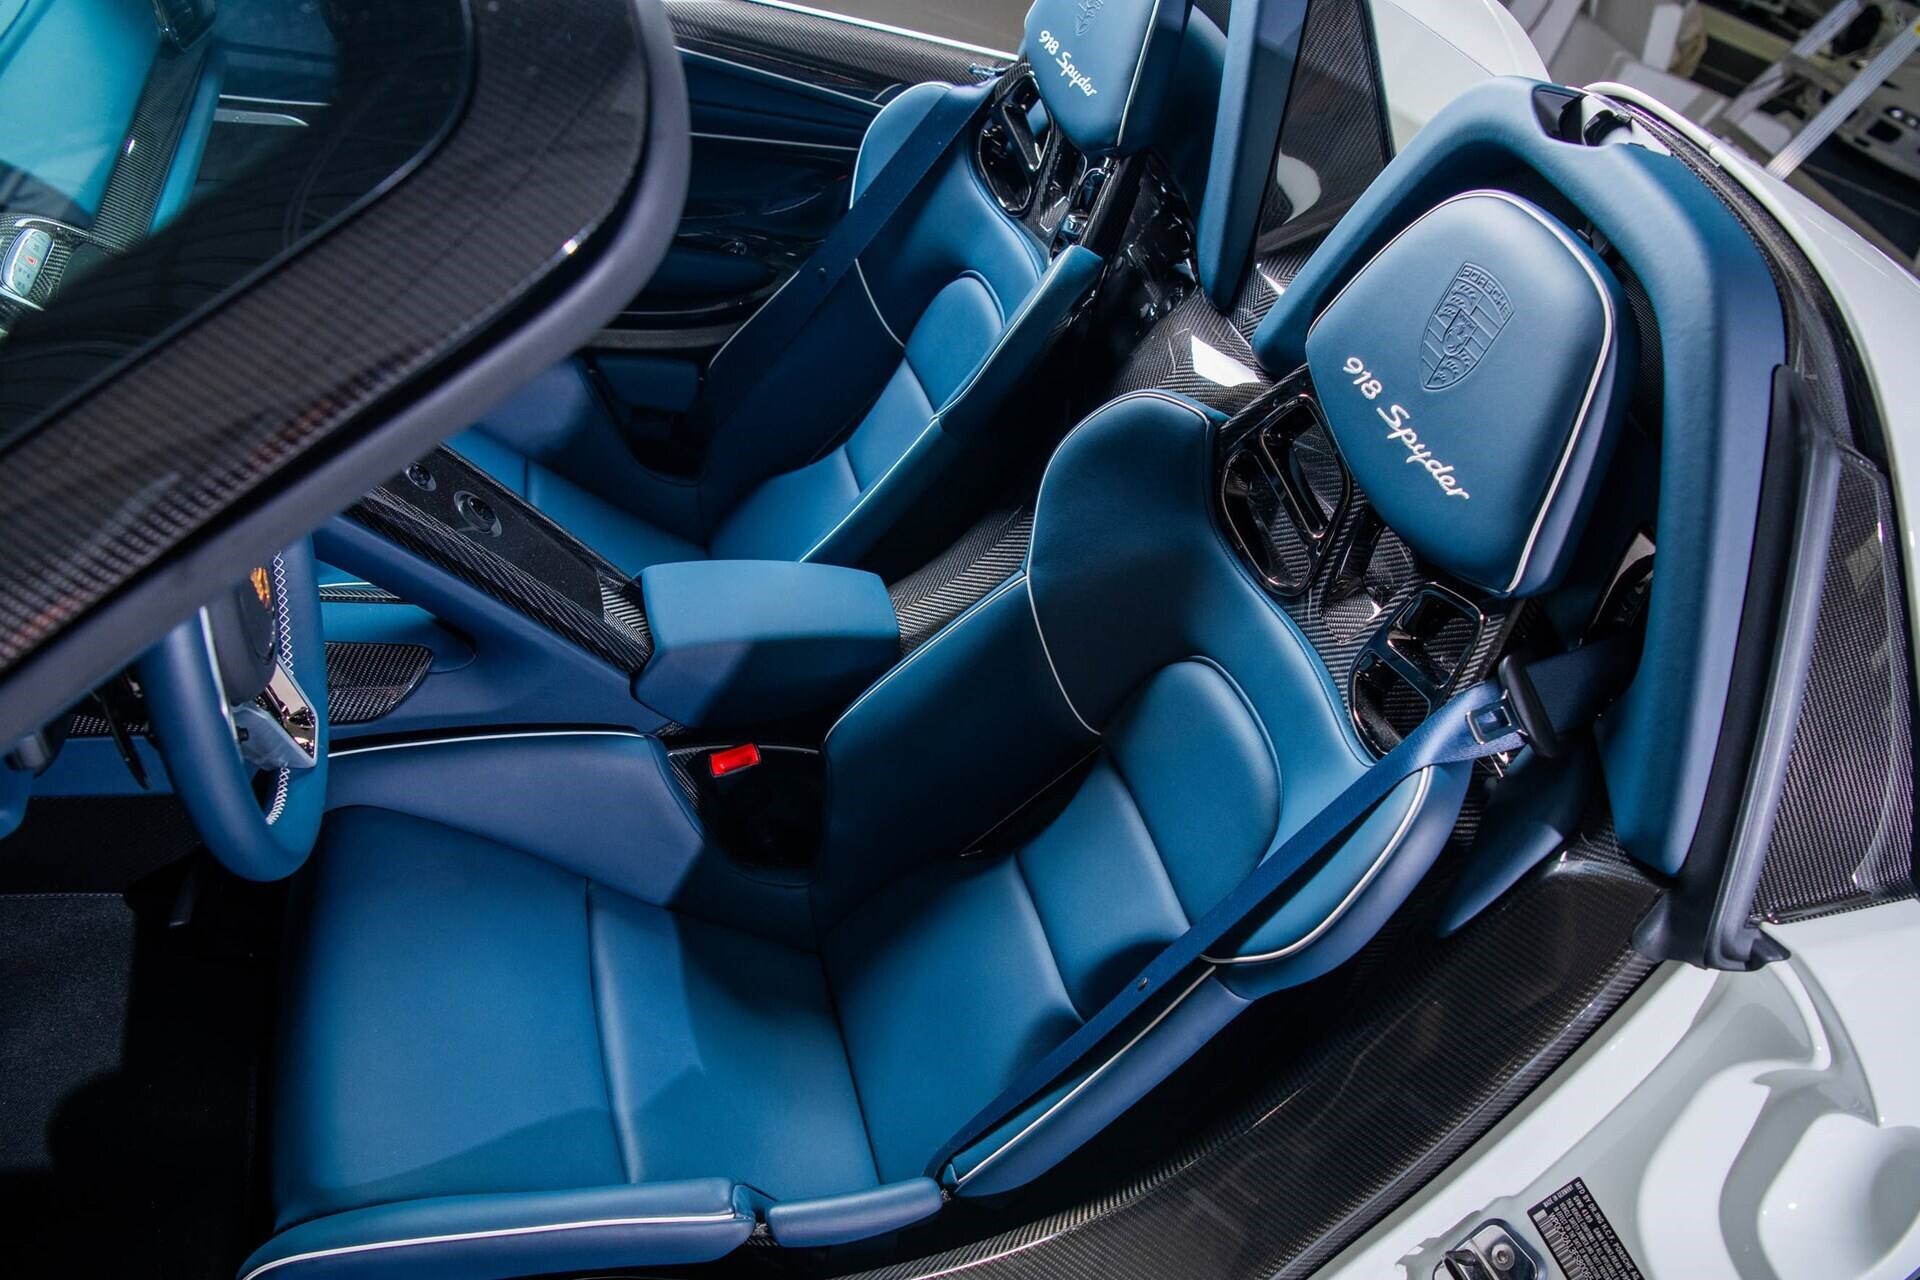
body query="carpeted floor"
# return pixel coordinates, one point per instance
(129, 1073)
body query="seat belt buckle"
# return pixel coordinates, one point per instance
(1520, 710)
(1495, 721)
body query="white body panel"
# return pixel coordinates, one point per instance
(1758, 1125)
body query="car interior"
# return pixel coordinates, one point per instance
(1099, 629)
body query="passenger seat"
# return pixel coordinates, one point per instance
(907, 365)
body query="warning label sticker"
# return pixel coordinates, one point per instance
(1582, 1240)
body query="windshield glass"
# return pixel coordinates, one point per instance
(154, 154)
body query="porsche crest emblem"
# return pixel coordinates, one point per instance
(1471, 314)
(262, 587)
(1086, 12)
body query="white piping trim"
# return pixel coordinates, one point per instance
(739, 328)
(1333, 917)
(774, 142)
(877, 313)
(496, 1233)
(871, 25)
(1046, 650)
(909, 660)
(806, 85)
(1075, 1092)
(1599, 364)
(485, 737)
(1139, 69)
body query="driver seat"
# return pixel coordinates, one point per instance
(545, 1043)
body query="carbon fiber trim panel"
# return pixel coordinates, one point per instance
(1336, 126)
(132, 194)
(451, 550)
(984, 557)
(366, 681)
(1843, 836)
(843, 56)
(344, 594)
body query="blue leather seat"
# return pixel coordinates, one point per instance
(908, 364)
(527, 1036)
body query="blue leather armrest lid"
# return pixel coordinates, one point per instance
(858, 1215)
(1469, 375)
(1103, 66)
(744, 641)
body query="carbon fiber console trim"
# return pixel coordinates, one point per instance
(365, 681)
(842, 56)
(984, 557)
(1843, 836)
(357, 594)
(451, 550)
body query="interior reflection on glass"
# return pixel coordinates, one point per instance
(117, 115)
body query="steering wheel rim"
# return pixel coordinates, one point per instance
(193, 724)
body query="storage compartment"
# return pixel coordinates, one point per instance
(1281, 490)
(739, 643)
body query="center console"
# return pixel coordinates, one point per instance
(460, 519)
(707, 644)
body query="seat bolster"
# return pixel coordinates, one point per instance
(1060, 1121)
(602, 805)
(1349, 900)
(978, 402)
(891, 129)
(492, 1237)
(858, 1215)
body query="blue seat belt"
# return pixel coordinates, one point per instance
(1556, 694)
(759, 343)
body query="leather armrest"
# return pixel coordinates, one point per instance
(741, 642)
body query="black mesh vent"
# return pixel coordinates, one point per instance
(1843, 834)
(987, 555)
(366, 681)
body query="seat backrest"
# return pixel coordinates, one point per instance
(947, 311)
(1185, 725)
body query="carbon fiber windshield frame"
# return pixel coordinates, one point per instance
(543, 209)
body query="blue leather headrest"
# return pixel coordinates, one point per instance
(1472, 374)
(1103, 66)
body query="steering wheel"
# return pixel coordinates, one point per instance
(237, 695)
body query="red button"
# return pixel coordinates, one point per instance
(733, 760)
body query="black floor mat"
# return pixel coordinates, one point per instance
(129, 1067)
